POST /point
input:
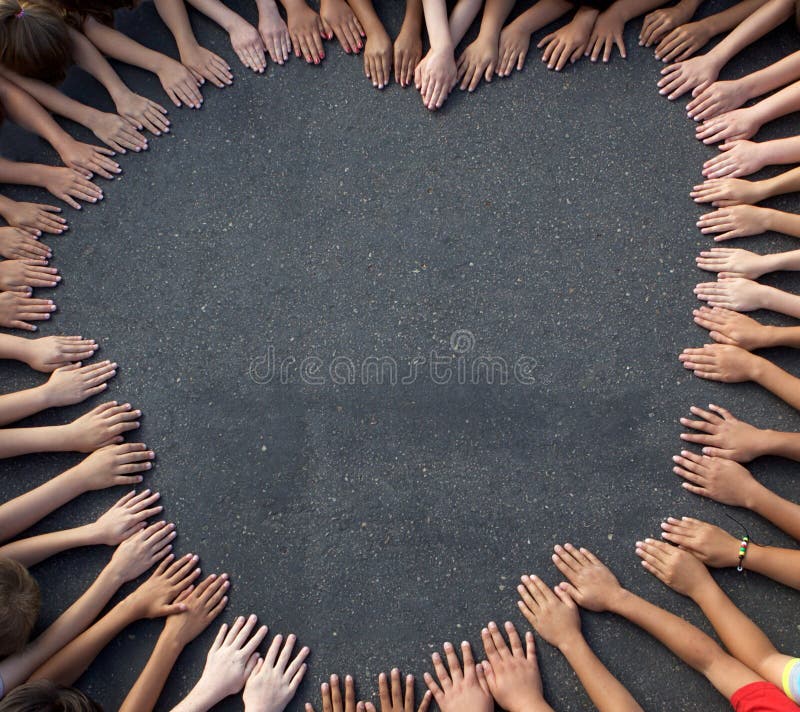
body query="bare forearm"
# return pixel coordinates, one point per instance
(606, 692)
(743, 638)
(778, 564)
(88, 57)
(54, 100)
(35, 549)
(24, 110)
(461, 18)
(629, 9)
(779, 301)
(14, 347)
(772, 77)
(495, 14)
(23, 441)
(175, 17)
(437, 23)
(19, 405)
(732, 17)
(16, 669)
(778, 382)
(686, 641)
(786, 101)
(69, 663)
(145, 692)
(365, 12)
(24, 511)
(121, 47)
(766, 18)
(413, 16)
(22, 173)
(219, 13)
(542, 13)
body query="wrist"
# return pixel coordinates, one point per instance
(571, 644)
(92, 534)
(203, 696)
(757, 368)
(620, 601)
(170, 641)
(757, 498)
(769, 337)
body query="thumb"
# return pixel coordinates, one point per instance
(565, 597)
(172, 609)
(571, 591)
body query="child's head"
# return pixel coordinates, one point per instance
(44, 696)
(34, 40)
(19, 606)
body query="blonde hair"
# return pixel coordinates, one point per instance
(34, 40)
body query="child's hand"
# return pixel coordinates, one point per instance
(179, 83)
(554, 616)
(459, 690)
(435, 77)
(48, 353)
(477, 62)
(730, 327)
(113, 465)
(724, 192)
(142, 113)
(514, 44)
(35, 218)
(683, 42)
(248, 45)
(395, 699)
(731, 262)
(591, 583)
(720, 362)
(717, 478)
(713, 546)
(231, 660)
(16, 244)
(22, 275)
(716, 99)
(407, 54)
(67, 184)
(733, 125)
(568, 43)
(74, 383)
(738, 158)
(201, 605)
(17, 309)
(274, 33)
(159, 596)
(87, 159)
(141, 550)
(378, 59)
(117, 133)
(607, 32)
(102, 426)
(511, 674)
(693, 75)
(306, 32)
(332, 696)
(126, 517)
(338, 19)
(677, 568)
(275, 678)
(659, 22)
(735, 221)
(205, 64)
(736, 294)
(723, 435)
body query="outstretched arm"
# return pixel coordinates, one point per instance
(110, 466)
(178, 82)
(555, 616)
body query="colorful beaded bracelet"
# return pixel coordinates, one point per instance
(742, 551)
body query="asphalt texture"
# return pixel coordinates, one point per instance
(303, 214)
